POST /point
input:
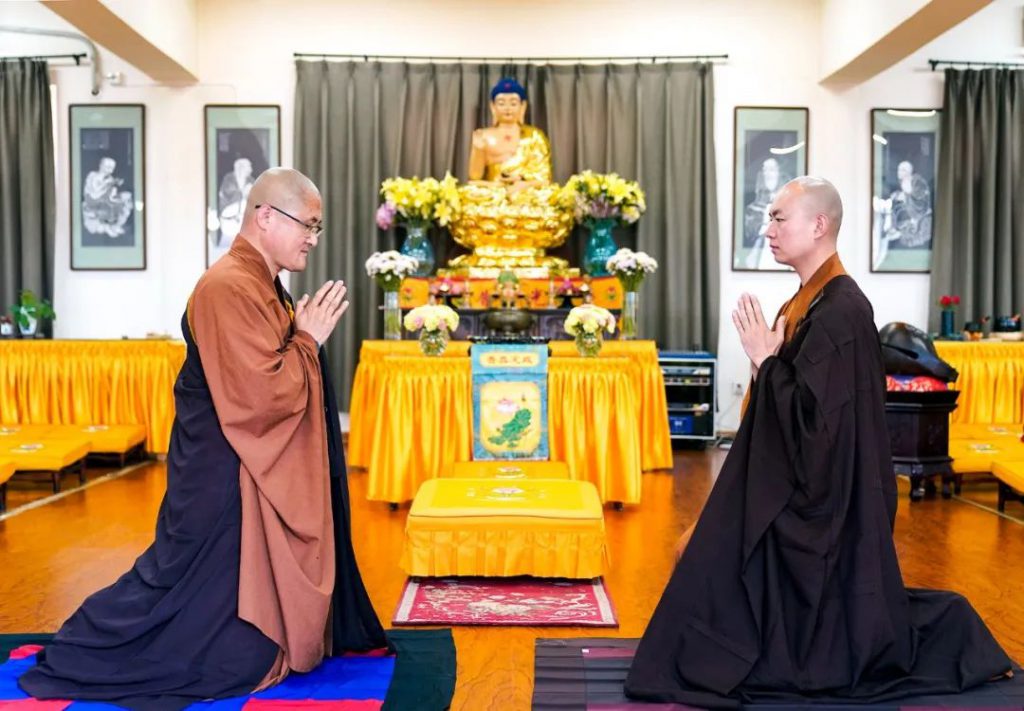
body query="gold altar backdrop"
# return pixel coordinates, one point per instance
(91, 382)
(411, 416)
(991, 381)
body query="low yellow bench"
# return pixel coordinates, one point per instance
(48, 454)
(486, 527)
(985, 432)
(978, 456)
(119, 441)
(509, 470)
(6, 472)
(1011, 481)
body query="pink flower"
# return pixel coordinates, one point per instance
(386, 215)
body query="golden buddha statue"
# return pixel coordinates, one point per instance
(510, 211)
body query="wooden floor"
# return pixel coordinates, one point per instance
(55, 555)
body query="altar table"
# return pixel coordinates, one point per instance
(411, 416)
(64, 382)
(991, 381)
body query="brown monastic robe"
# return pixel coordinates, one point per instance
(272, 413)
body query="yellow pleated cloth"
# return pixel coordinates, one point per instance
(58, 382)
(422, 423)
(593, 416)
(656, 452)
(991, 381)
(543, 528)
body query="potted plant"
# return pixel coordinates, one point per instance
(29, 310)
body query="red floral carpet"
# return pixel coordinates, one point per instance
(505, 601)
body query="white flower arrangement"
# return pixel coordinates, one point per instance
(631, 267)
(389, 268)
(432, 317)
(589, 319)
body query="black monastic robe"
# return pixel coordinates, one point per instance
(790, 586)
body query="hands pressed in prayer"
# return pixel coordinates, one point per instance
(758, 340)
(318, 316)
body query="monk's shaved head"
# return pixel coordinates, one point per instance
(819, 197)
(284, 188)
(288, 221)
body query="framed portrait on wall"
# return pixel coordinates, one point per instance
(241, 142)
(904, 163)
(770, 146)
(107, 167)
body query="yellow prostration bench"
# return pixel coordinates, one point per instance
(1011, 481)
(486, 527)
(990, 449)
(50, 455)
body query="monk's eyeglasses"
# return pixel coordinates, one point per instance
(314, 229)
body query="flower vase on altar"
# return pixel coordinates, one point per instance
(434, 322)
(388, 269)
(417, 245)
(630, 267)
(585, 324)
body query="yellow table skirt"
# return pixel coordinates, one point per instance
(656, 452)
(421, 420)
(991, 381)
(480, 527)
(91, 383)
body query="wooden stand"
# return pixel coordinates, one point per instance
(919, 438)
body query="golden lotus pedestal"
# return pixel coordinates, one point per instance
(509, 232)
(489, 262)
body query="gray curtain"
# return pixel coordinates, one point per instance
(978, 251)
(357, 123)
(26, 181)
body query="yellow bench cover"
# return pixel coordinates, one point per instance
(46, 454)
(483, 527)
(506, 470)
(979, 455)
(1010, 473)
(6, 470)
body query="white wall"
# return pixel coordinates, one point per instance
(170, 26)
(854, 26)
(245, 56)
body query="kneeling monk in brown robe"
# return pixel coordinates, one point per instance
(252, 572)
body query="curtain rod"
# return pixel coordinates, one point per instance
(936, 62)
(77, 57)
(509, 60)
(93, 55)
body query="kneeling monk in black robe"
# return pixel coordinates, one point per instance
(252, 572)
(789, 587)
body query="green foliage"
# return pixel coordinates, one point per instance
(30, 307)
